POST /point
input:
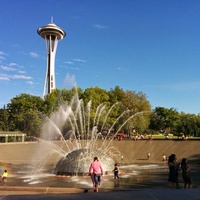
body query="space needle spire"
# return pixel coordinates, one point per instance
(52, 34)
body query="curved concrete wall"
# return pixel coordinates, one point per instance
(133, 151)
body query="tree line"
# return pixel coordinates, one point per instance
(27, 113)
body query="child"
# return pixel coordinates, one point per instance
(116, 172)
(4, 176)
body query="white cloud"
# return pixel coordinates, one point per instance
(99, 26)
(33, 54)
(79, 60)
(73, 68)
(69, 62)
(21, 72)
(4, 78)
(13, 64)
(5, 68)
(16, 76)
(2, 58)
(3, 53)
(21, 77)
(30, 82)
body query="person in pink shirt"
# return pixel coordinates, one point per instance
(96, 171)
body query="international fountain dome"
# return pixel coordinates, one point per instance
(78, 162)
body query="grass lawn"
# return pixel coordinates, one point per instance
(162, 137)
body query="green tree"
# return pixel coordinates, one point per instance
(99, 99)
(165, 120)
(26, 113)
(57, 97)
(189, 125)
(140, 107)
(132, 104)
(96, 95)
(4, 119)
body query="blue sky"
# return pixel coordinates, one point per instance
(151, 46)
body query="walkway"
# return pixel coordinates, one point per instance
(18, 193)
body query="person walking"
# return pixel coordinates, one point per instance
(116, 172)
(96, 171)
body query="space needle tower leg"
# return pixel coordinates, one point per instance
(52, 34)
(51, 46)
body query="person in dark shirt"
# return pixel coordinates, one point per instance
(174, 168)
(186, 173)
(116, 172)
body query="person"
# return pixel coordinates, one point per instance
(4, 176)
(164, 157)
(116, 172)
(174, 167)
(183, 137)
(96, 171)
(122, 158)
(148, 155)
(186, 173)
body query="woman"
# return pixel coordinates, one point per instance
(96, 171)
(186, 173)
(173, 170)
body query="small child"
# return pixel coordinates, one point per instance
(4, 176)
(116, 172)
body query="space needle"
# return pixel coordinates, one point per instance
(51, 33)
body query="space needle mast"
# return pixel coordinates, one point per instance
(51, 33)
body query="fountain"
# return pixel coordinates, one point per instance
(79, 143)
(69, 142)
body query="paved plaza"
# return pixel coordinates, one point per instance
(16, 193)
